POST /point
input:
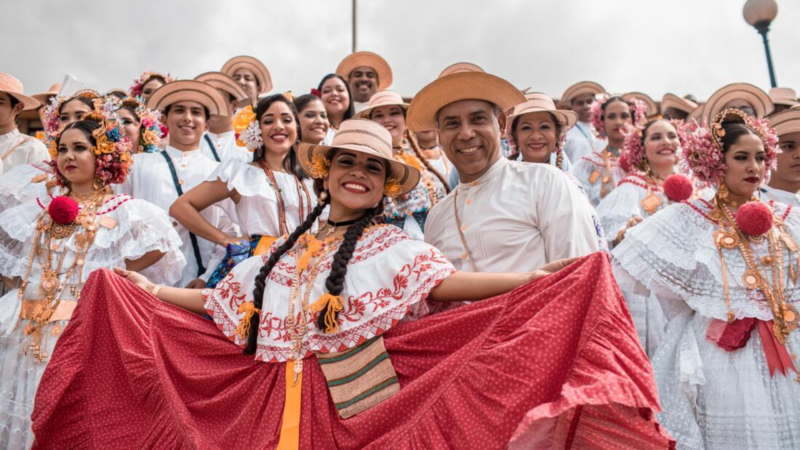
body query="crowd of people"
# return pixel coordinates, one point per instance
(204, 263)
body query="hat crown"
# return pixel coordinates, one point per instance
(538, 100)
(364, 133)
(385, 98)
(9, 83)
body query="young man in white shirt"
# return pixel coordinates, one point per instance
(581, 140)
(219, 142)
(504, 216)
(366, 73)
(16, 148)
(162, 177)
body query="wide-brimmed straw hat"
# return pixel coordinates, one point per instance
(384, 98)
(460, 67)
(675, 102)
(14, 88)
(652, 107)
(456, 87)
(784, 96)
(583, 87)
(737, 91)
(367, 59)
(225, 83)
(45, 96)
(255, 66)
(538, 102)
(786, 121)
(189, 90)
(364, 136)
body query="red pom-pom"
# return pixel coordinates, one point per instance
(63, 210)
(624, 162)
(678, 188)
(754, 218)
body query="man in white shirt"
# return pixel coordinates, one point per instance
(504, 216)
(581, 140)
(784, 184)
(219, 143)
(16, 148)
(161, 177)
(366, 73)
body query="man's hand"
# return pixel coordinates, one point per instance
(551, 268)
(196, 284)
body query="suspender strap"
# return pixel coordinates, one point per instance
(200, 268)
(211, 146)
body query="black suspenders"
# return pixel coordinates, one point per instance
(200, 268)
(211, 145)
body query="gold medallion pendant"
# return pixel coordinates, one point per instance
(49, 283)
(726, 239)
(651, 203)
(750, 279)
(594, 177)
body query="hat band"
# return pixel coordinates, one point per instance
(368, 133)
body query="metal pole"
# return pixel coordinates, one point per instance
(355, 24)
(763, 29)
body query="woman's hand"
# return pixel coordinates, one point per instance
(633, 221)
(135, 278)
(551, 268)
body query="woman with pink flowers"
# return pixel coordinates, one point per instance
(720, 282)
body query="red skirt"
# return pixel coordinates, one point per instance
(555, 360)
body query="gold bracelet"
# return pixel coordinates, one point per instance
(156, 290)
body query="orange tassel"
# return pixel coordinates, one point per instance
(313, 247)
(248, 308)
(335, 302)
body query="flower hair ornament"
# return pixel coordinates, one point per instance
(703, 148)
(248, 133)
(152, 130)
(638, 113)
(141, 80)
(51, 124)
(112, 149)
(633, 152)
(321, 165)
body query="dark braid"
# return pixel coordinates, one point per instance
(258, 291)
(335, 282)
(424, 160)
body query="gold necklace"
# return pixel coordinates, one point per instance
(652, 201)
(461, 232)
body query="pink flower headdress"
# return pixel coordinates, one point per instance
(51, 125)
(141, 80)
(638, 112)
(702, 151)
(633, 152)
(152, 130)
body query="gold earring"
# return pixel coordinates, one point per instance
(722, 192)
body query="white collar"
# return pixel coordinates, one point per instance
(175, 153)
(13, 134)
(496, 167)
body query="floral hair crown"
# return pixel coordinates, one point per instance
(152, 130)
(51, 124)
(112, 149)
(638, 112)
(141, 80)
(703, 152)
(633, 152)
(248, 133)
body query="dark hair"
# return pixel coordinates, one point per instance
(206, 112)
(290, 163)
(559, 155)
(351, 110)
(87, 126)
(617, 98)
(303, 101)
(85, 100)
(154, 77)
(734, 129)
(13, 101)
(335, 281)
(131, 110)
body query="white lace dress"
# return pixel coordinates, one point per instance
(22, 183)
(711, 398)
(625, 202)
(139, 227)
(589, 171)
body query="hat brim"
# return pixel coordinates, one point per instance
(407, 176)
(189, 90)
(223, 82)
(565, 118)
(27, 102)
(364, 114)
(254, 65)
(761, 102)
(457, 87)
(652, 107)
(786, 122)
(583, 87)
(675, 102)
(367, 59)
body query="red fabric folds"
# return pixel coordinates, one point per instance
(778, 359)
(559, 354)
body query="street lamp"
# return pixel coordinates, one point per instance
(760, 14)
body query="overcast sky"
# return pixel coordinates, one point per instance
(654, 46)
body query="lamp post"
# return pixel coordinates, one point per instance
(355, 24)
(760, 14)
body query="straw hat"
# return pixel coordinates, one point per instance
(45, 96)
(652, 107)
(367, 59)
(254, 65)
(737, 91)
(460, 67)
(786, 121)
(13, 87)
(783, 96)
(456, 87)
(364, 136)
(675, 102)
(383, 98)
(189, 90)
(584, 87)
(225, 83)
(538, 102)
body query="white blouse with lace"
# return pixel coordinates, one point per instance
(589, 171)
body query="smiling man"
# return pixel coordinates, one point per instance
(784, 185)
(366, 73)
(581, 140)
(16, 148)
(504, 216)
(160, 178)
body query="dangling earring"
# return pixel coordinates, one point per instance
(722, 192)
(323, 196)
(97, 184)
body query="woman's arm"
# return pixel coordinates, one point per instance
(10, 283)
(188, 299)
(468, 286)
(187, 207)
(149, 258)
